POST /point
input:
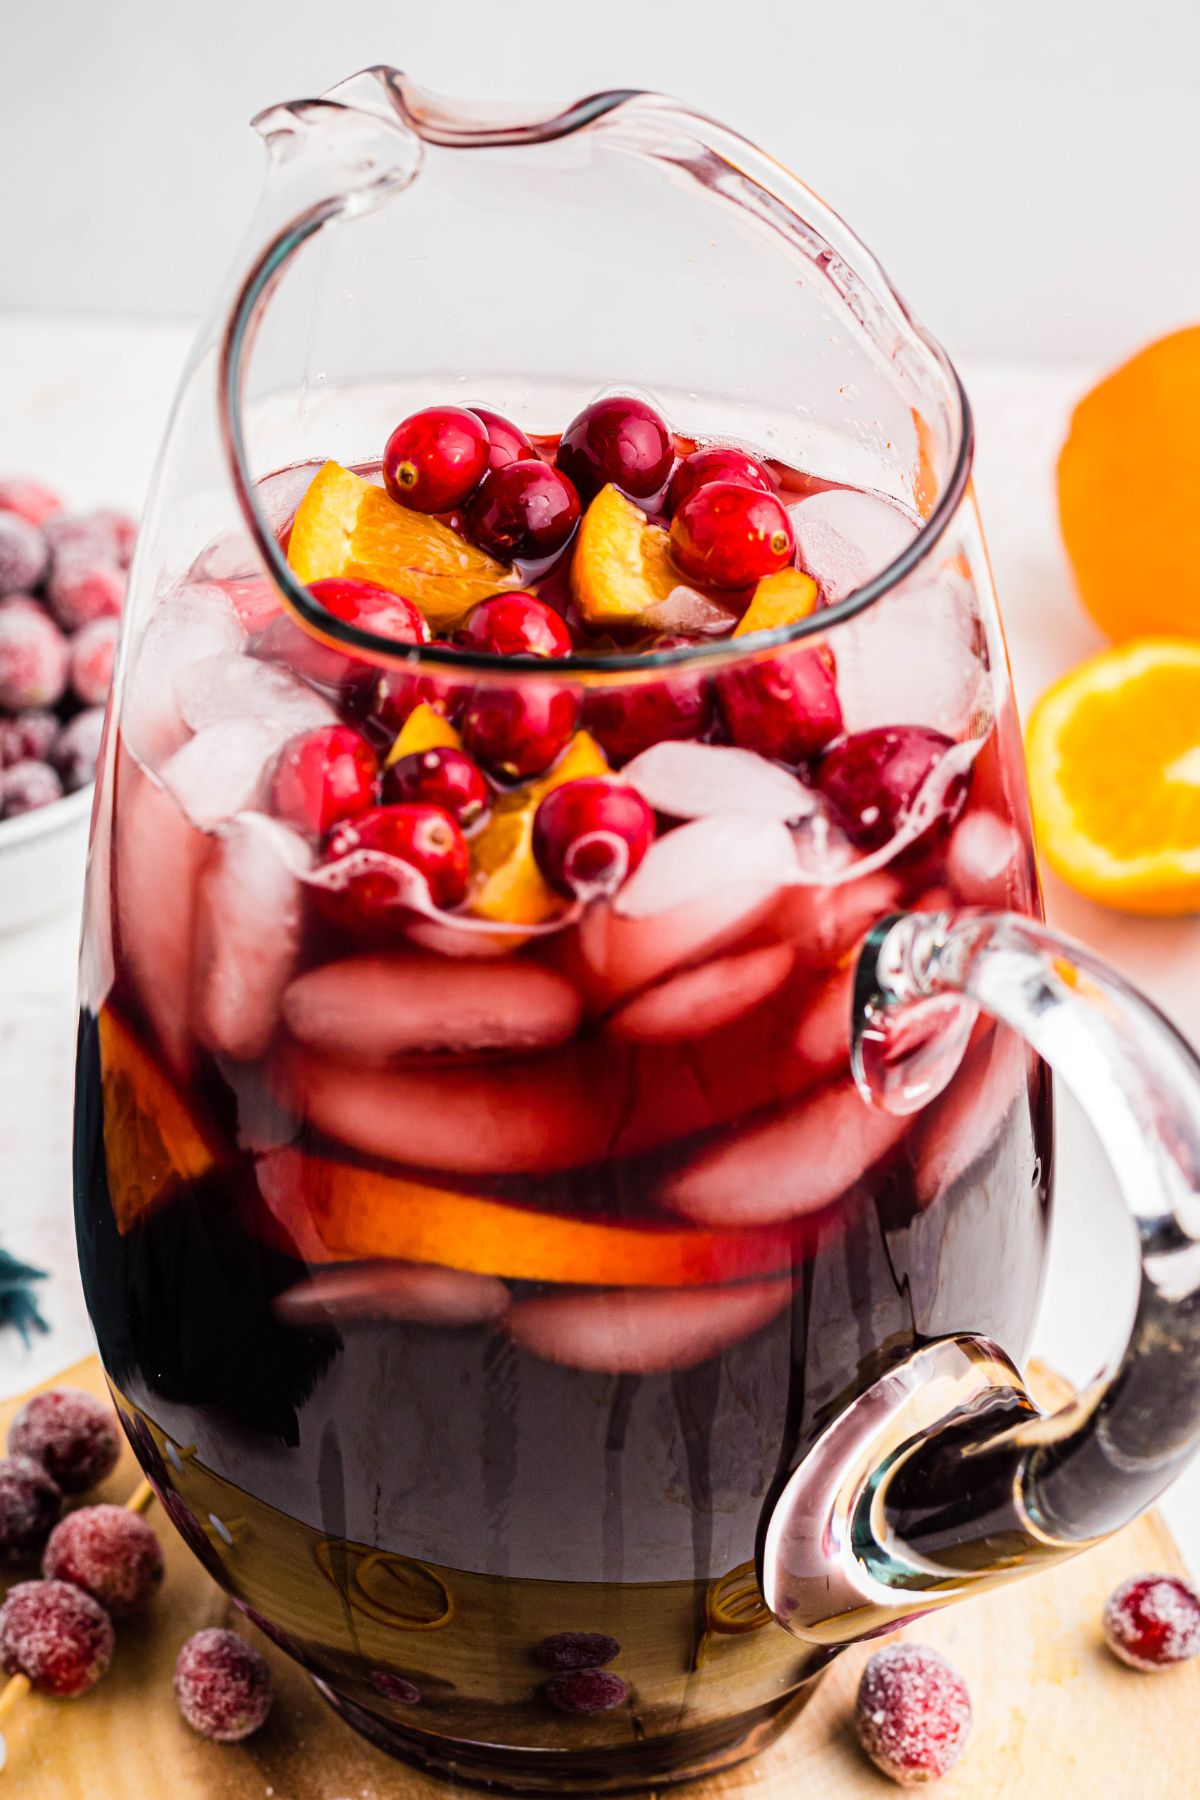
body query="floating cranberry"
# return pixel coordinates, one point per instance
(56, 1636)
(569, 1650)
(617, 439)
(34, 661)
(586, 1691)
(588, 835)
(109, 1552)
(442, 777)
(1153, 1622)
(515, 625)
(786, 708)
(92, 652)
(29, 500)
(30, 1506)
(519, 731)
(522, 512)
(371, 608)
(400, 691)
(322, 777)
(426, 838)
(872, 778)
(223, 1686)
(913, 1713)
(24, 554)
(75, 750)
(627, 720)
(435, 458)
(73, 1437)
(506, 441)
(27, 786)
(731, 536)
(716, 464)
(79, 591)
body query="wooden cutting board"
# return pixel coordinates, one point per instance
(1056, 1717)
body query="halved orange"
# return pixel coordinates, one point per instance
(622, 565)
(345, 526)
(780, 599)
(512, 890)
(153, 1144)
(1114, 772)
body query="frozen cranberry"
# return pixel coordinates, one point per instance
(34, 662)
(399, 691)
(425, 838)
(29, 736)
(24, 555)
(506, 441)
(76, 749)
(223, 1686)
(26, 786)
(109, 1552)
(92, 652)
(83, 537)
(80, 591)
(442, 777)
(73, 1437)
(786, 708)
(518, 732)
(322, 777)
(716, 464)
(522, 512)
(585, 1691)
(616, 439)
(569, 1650)
(1153, 1622)
(731, 536)
(372, 608)
(626, 721)
(588, 835)
(913, 1713)
(29, 500)
(872, 778)
(395, 1687)
(56, 1636)
(124, 532)
(515, 625)
(30, 1507)
(435, 458)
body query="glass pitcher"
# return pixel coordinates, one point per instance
(562, 1320)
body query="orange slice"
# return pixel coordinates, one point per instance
(512, 890)
(622, 566)
(1114, 771)
(780, 599)
(152, 1142)
(424, 729)
(346, 527)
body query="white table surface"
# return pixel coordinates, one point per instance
(84, 405)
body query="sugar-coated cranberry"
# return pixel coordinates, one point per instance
(73, 1436)
(522, 512)
(26, 786)
(124, 530)
(30, 1506)
(519, 731)
(716, 463)
(730, 536)
(28, 736)
(617, 439)
(83, 537)
(223, 1686)
(92, 651)
(34, 661)
(872, 778)
(913, 1713)
(442, 776)
(506, 441)
(515, 625)
(435, 458)
(371, 608)
(29, 500)
(76, 749)
(395, 1687)
(322, 777)
(424, 837)
(24, 555)
(78, 592)
(588, 835)
(585, 1691)
(109, 1552)
(399, 692)
(567, 1650)
(56, 1636)
(627, 720)
(786, 708)
(1153, 1622)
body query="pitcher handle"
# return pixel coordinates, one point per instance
(944, 1477)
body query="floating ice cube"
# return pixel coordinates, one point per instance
(916, 658)
(846, 537)
(187, 627)
(393, 1290)
(701, 1000)
(643, 1331)
(690, 614)
(693, 781)
(229, 686)
(249, 917)
(985, 860)
(222, 770)
(965, 1123)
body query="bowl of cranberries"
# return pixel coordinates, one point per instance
(62, 584)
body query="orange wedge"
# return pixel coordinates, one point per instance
(152, 1143)
(512, 890)
(1114, 772)
(622, 566)
(346, 527)
(780, 599)
(424, 729)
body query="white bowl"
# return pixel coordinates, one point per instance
(42, 857)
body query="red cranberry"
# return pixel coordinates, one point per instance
(34, 661)
(588, 835)
(442, 777)
(626, 721)
(29, 500)
(30, 1506)
(518, 732)
(1153, 1622)
(569, 1650)
(731, 536)
(435, 458)
(56, 1636)
(716, 464)
(92, 653)
(322, 777)
(109, 1552)
(616, 439)
(515, 625)
(73, 1437)
(24, 554)
(913, 1713)
(506, 441)
(29, 736)
(372, 608)
(223, 1686)
(522, 512)
(424, 837)
(400, 691)
(79, 591)
(786, 708)
(26, 786)
(586, 1691)
(872, 778)
(351, 679)
(76, 748)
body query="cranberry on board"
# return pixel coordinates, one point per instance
(730, 536)
(516, 732)
(913, 1713)
(222, 1685)
(435, 458)
(1153, 1622)
(785, 707)
(515, 625)
(618, 439)
(522, 512)
(322, 777)
(424, 837)
(442, 776)
(588, 835)
(716, 463)
(72, 1435)
(109, 1552)
(56, 1636)
(31, 1505)
(506, 441)
(872, 778)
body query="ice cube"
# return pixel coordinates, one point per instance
(916, 657)
(985, 861)
(393, 1290)
(686, 613)
(704, 999)
(228, 686)
(188, 626)
(693, 781)
(222, 770)
(846, 537)
(964, 1124)
(643, 1331)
